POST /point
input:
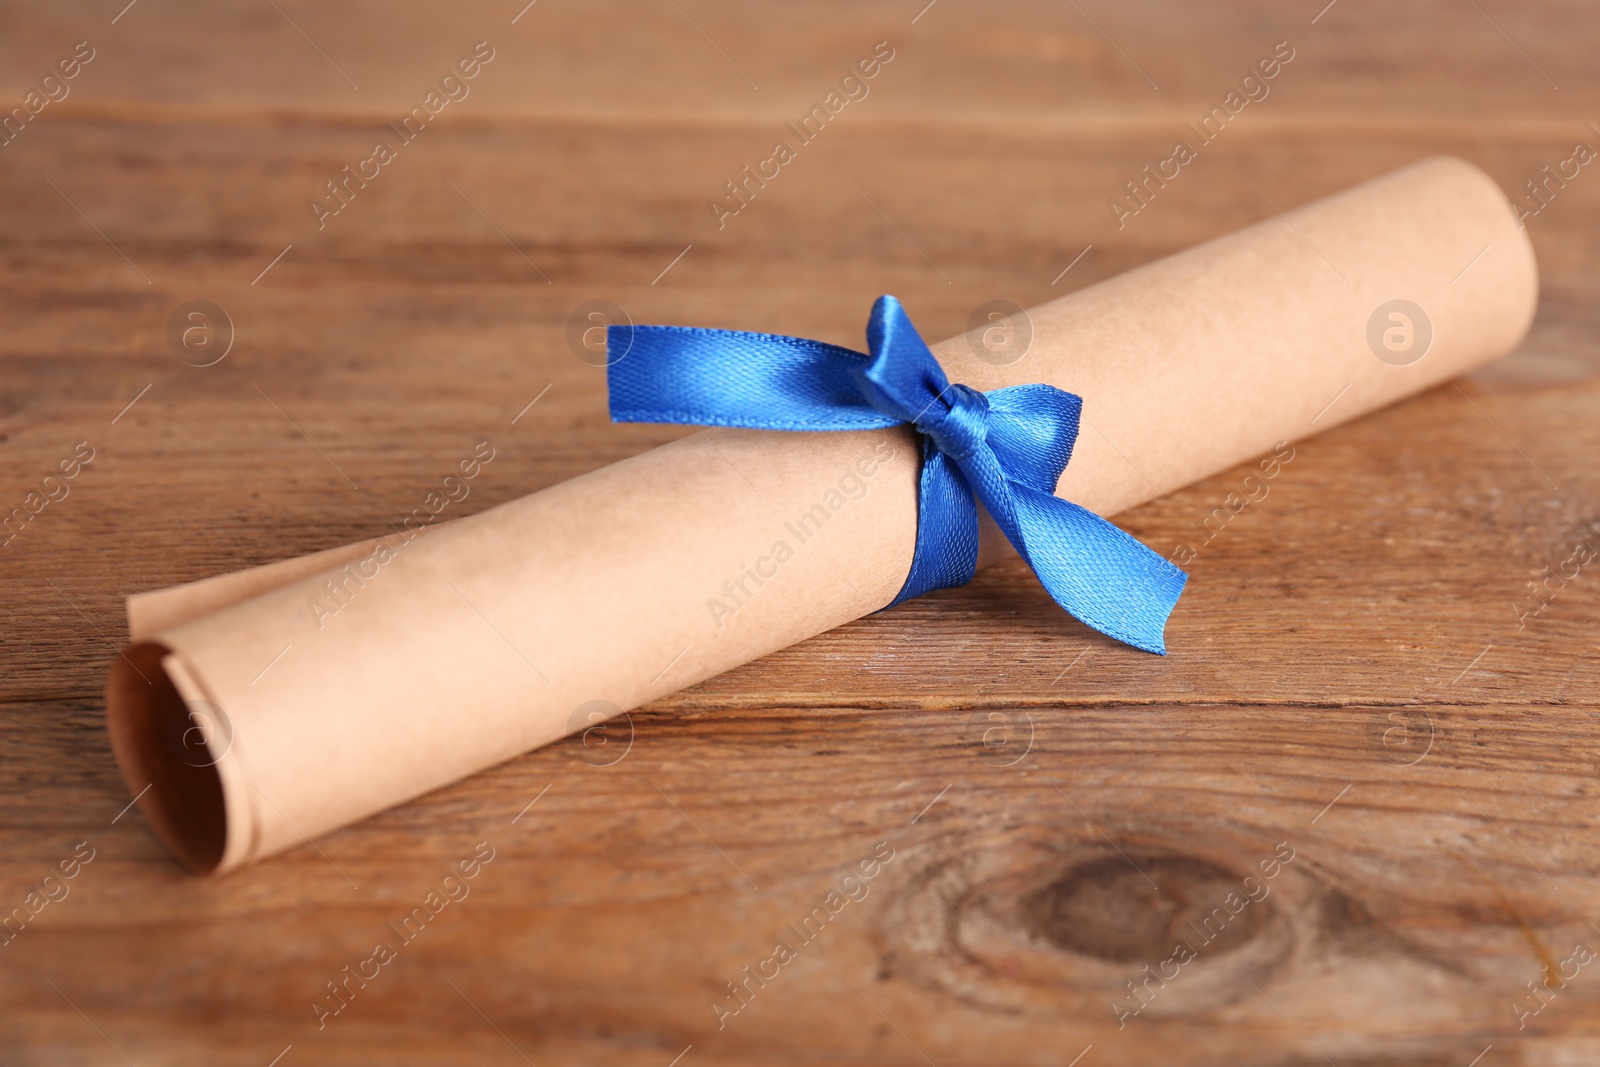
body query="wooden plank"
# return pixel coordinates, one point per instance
(1428, 881)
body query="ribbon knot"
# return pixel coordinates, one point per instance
(1005, 449)
(958, 421)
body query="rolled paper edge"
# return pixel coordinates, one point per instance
(189, 812)
(160, 610)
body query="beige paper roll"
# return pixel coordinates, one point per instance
(259, 720)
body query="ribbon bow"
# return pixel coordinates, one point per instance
(1006, 448)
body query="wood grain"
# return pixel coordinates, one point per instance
(1351, 681)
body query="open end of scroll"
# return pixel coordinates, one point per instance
(168, 749)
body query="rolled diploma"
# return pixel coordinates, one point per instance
(477, 641)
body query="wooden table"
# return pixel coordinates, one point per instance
(1360, 696)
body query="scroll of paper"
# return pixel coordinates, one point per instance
(258, 720)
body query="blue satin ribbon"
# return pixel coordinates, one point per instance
(1006, 448)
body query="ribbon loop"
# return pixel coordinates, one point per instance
(1005, 450)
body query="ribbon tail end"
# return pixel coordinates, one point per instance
(1102, 576)
(1149, 634)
